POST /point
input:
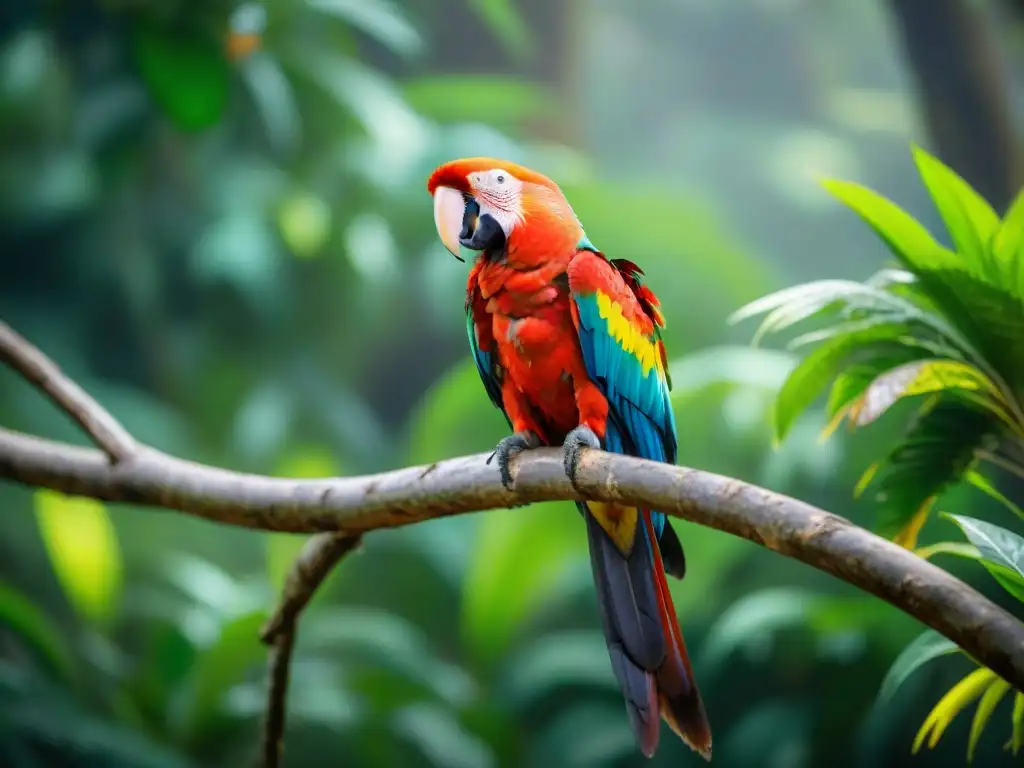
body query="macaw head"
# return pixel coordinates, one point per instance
(482, 203)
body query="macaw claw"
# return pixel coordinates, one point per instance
(580, 438)
(509, 447)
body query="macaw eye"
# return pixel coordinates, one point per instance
(501, 179)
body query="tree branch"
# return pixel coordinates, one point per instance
(44, 374)
(358, 504)
(348, 507)
(316, 559)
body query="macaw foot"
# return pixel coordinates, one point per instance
(509, 447)
(580, 438)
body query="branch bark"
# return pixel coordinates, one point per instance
(346, 508)
(43, 373)
(402, 497)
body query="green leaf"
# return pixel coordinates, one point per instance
(981, 482)
(186, 72)
(819, 368)
(608, 740)
(987, 318)
(850, 383)
(454, 417)
(274, 97)
(220, 666)
(568, 659)
(790, 306)
(970, 220)
(83, 548)
(517, 559)
(753, 617)
(1008, 243)
(925, 377)
(958, 698)
(1002, 551)
(503, 101)
(957, 548)
(908, 240)
(502, 17)
(441, 738)
(927, 646)
(989, 700)
(380, 19)
(39, 635)
(936, 450)
(305, 223)
(1017, 739)
(373, 100)
(363, 637)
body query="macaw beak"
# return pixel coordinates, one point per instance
(449, 209)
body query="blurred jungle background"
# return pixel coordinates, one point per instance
(213, 215)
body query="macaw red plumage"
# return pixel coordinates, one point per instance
(568, 346)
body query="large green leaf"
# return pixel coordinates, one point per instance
(927, 646)
(441, 738)
(1017, 738)
(867, 304)
(220, 666)
(908, 240)
(556, 660)
(970, 220)
(83, 547)
(990, 316)
(1002, 551)
(936, 450)
(506, 23)
(819, 368)
(850, 383)
(454, 417)
(186, 72)
(753, 618)
(955, 548)
(516, 564)
(982, 483)
(956, 700)
(989, 700)
(364, 637)
(506, 102)
(926, 377)
(1008, 245)
(987, 316)
(380, 19)
(274, 97)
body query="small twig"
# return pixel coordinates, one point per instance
(18, 353)
(316, 559)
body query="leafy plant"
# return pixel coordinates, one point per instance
(943, 325)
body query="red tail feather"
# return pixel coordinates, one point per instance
(681, 703)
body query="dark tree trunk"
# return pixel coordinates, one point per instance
(963, 94)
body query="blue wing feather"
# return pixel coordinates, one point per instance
(485, 365)
(641, 422)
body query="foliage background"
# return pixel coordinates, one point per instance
(231, 246)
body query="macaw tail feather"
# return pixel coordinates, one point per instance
(646, 647)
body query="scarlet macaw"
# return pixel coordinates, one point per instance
(569, 348)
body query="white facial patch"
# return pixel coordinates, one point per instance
(498, 193)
